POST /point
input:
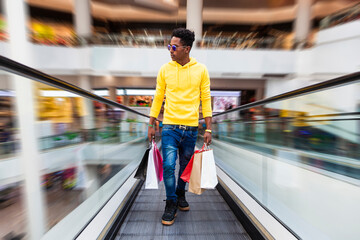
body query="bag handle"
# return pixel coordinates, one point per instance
(154, 143)
(205, 147)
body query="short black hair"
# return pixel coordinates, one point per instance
(186, 36)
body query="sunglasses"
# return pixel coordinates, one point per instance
(173, 47)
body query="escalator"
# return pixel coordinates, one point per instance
(277, 178)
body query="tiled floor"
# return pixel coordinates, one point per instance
(209, 218)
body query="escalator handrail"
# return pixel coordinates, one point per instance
(28, 72)
(336, 82)
(9, 65)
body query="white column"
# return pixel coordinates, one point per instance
(112, 93)
(88, 118)
(83, 21)
(83, 25)
(302, 23)
(194, 21)
(29, 158)
(259, 94)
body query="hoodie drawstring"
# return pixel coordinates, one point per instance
(189, 76)
(177, 75)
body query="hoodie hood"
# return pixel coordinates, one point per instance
(192, 62)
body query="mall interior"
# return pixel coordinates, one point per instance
(77, 81)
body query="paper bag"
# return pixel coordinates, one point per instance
(185, 176)
(208, 170)
(151, 181)
(195, 177)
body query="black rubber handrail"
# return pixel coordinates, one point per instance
(31, 73)
(336, 82)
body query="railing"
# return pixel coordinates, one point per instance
(84, 157)
(213, 42)
(341, 17)
(252, 41)
(300, 162)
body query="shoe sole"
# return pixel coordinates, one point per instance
(184, 208)
(168, 223)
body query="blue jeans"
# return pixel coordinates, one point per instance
(176, 140)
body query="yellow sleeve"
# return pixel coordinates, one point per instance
(205, 94)
(159, 95)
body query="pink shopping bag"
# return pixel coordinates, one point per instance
(158, 161)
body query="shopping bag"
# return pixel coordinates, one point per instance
(141, 171)
(158, 163)
(151, 181)
(195, 177)
(185, 176)
(208, 170)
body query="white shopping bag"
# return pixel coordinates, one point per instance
(208, 170)
(151, 181)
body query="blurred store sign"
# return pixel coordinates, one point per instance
(101, 92)
(225, 93)
(4, 93)
(125, 91)
(57, 93)
(143, 92)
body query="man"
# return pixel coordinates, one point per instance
(184, 82)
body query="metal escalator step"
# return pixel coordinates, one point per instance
(209, 218)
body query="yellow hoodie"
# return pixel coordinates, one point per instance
(183, 86)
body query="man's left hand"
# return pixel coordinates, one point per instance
(207, 138)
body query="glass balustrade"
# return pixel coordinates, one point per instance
(86, 150)
(299, 158)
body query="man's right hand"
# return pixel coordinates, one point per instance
(151, 133)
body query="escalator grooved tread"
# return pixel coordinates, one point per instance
(209, 218)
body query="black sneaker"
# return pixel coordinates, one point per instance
(182, 203)
(169, 215)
